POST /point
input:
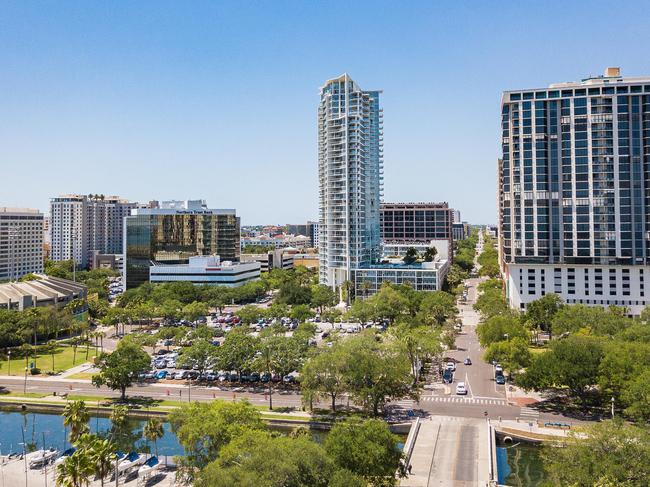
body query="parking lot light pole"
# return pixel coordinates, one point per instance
(612, 407)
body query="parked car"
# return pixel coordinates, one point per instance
(461, 389)
(161, 375)
(451, 366)
(500, 379)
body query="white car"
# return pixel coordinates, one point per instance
(461, 390)
(498, 368)
(451, 366)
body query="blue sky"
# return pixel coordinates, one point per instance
(217, 100)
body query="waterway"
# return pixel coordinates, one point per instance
(47, 429)
(520, 464)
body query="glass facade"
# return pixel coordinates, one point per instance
(416, 222)
(350, 156)
(574, 178)
(172, 237)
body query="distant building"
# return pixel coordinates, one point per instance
(44, 291)
(455, 216)
(416, 222)
(81, 224)
(277, 241)
(460, 230)
(47, 239)
(309, 229)
(274, 259)
(310, 261)
(21, 242)
(206, 269)
(315, 240)
(155, 236)
(107, 261)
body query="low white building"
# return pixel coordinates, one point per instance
(208, 269)
(398, 249)
(424, 276)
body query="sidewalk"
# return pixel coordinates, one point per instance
(518, 397)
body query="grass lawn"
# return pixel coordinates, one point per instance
(536, 351)
(82, 375)
(63, 360)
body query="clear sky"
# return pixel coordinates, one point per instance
(218, 100)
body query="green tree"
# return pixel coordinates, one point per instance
(542, 311)
(367, 449)
(237, 351)
(200, 355)
(411, 256)
(276, 355)
(153, 431)
(430, 254)
(76, 417)
(101, 454)
(250, 314)
(500, 328)
(120, 368)
(388, 303)
(376, 373)
(418, 344)
(572, 363)
(203, 429)
(325, 375)
(437, 307)
(75, 471)
(611, 453)
(259, 458)
(512, 354)
(301, 312)
(491, 300)
(194, 311)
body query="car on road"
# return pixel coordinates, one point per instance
(448, 376)
(468, 361)
(451, 366)
(500, 379)
(461, 389)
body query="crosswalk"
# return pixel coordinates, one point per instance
(453, 400)
(529, 413)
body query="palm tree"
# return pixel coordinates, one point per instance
(153, 431)
(102, 454)
(76, 417)
(52, 345)
(75, 470)
(365, 287)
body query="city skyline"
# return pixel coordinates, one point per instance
(125, 100)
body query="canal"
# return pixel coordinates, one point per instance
(519, 464)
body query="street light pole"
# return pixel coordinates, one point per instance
(612, 407)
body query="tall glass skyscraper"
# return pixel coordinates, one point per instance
(350, 158)
(574, 191)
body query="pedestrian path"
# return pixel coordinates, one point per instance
(529, 413)
(453, 400)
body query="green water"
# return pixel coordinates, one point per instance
(520, 464)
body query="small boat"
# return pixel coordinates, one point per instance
(149, 466)
(41, 457)
(67, 453)
(133, 459)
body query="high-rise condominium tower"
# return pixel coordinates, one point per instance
(21, 242)
(81, 224)
(350, 158)
(574, 192)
